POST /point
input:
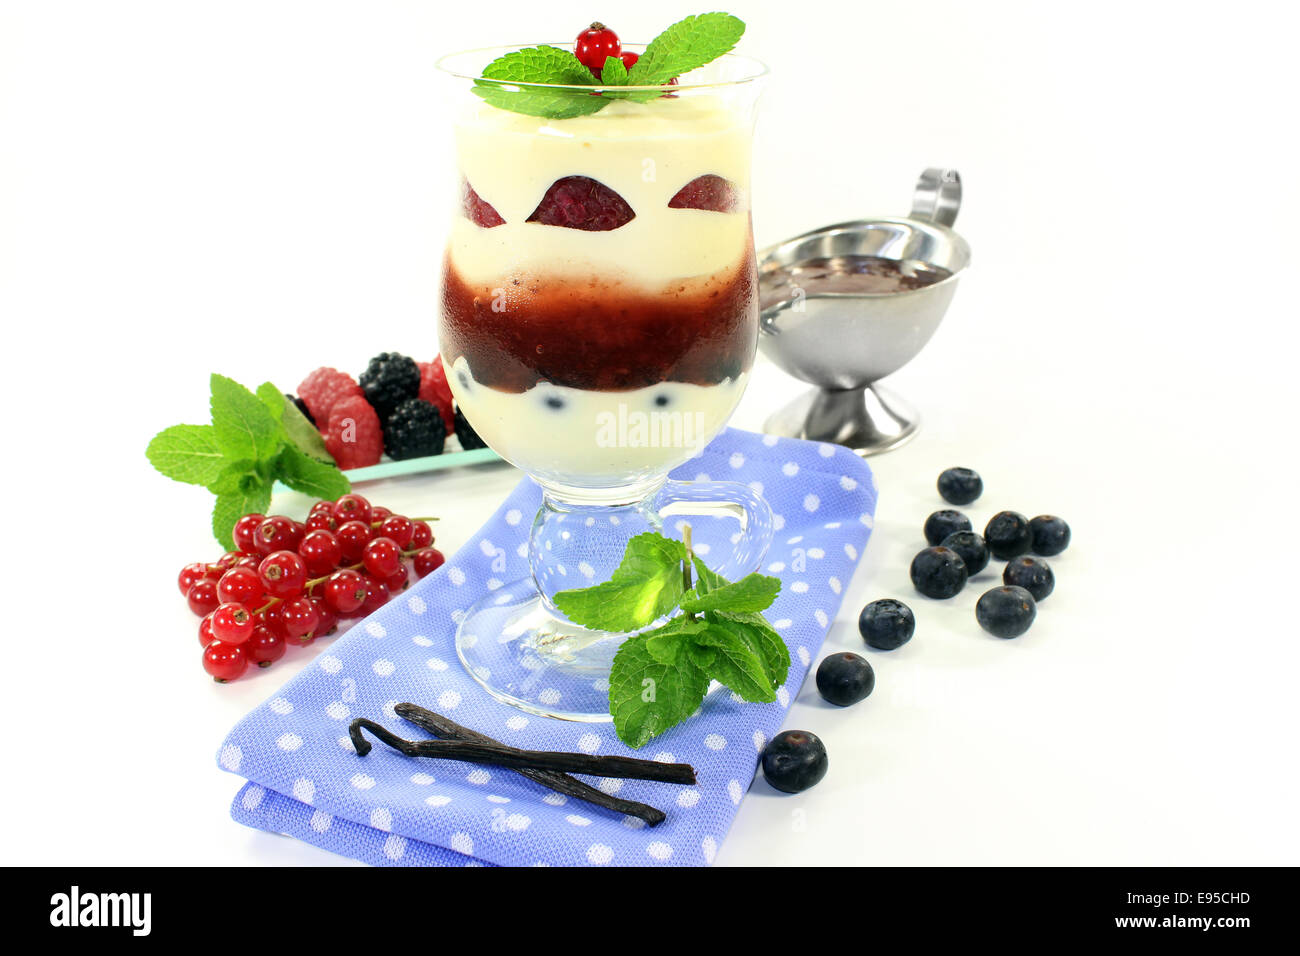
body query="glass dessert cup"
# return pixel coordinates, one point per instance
(599, 320)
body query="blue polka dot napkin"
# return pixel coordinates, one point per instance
(304, 778)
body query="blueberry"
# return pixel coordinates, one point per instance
(1031, 574)
(1006, 611)
(1051, 535)
(960, 486)
(886, 624)
(1008, 536)
(938, 572)
(971, 548)
(845, 679)
(794, 761)
(943, 523)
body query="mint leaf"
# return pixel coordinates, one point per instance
(187, 453)
(244, 426)
(686, 45)
(233, 476)
(542, 64)
(644, 587)
(762, 637)
(646, 697)
(737, 662)
(273, 399)
(304, 435)
(613, 73)
(304, 473)
(232, 506)
(667, 644)
(754, 592)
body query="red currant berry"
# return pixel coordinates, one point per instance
(265, 647)
(245, 533)
(595, 45)
(232, 623)
(345, 591)
(225, 662)
(353, 537)
(327, 619)
(382, 558)
(320, 521)
(379, 514)
(202, 597)
(352, 508)
(629, 59)
(397, 582)
(376, 595)
(241, 585)
(428, 560)
(273, 618)
(205, 630)
(300, 619)
(276, 533)
(283, 574)
(320, 552)
(422, 535)
(191, 575)
(398, 529)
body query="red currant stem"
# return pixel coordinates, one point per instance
(376, 524)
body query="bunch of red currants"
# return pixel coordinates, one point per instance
(290, 581)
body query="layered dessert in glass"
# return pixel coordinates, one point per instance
(599, 301)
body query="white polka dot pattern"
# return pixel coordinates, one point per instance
(386, 809)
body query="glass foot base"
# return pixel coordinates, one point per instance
(526, 657)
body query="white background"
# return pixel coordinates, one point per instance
(259, 188)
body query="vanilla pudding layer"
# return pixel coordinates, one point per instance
(645, 152)
(596, 438)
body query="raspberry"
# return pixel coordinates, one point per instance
(353, 435)
(323, 388)
(465, 433)
(478, 211)
(389, 380)
(579, 202)
(414, 430)
(709, 192)
(435, 390)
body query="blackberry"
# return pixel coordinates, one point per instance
(465, 433)
(302, 407)
(414, 430)
(389, 380)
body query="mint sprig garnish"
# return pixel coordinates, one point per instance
(542, 64)
(686, 45)
(660, 676)
(253, 441)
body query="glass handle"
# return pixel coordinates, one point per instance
(721, 500)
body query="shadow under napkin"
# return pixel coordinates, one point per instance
(305, 779)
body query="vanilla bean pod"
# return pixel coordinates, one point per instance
(561, 783)
(512, 758)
